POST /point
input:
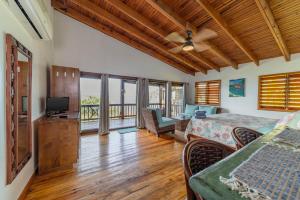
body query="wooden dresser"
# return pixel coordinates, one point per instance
(58, 142)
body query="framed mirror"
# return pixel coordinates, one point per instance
(18, 106)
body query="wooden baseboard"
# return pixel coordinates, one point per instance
(26, 188)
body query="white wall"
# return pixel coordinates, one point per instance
(248, 104)
(78, 45)
(42, 57)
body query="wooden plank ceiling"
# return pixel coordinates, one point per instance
(248, 30)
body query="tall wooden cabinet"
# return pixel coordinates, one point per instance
(58, 142)
(58, 135)
(65, 82)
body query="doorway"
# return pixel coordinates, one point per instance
(122, 103)
(89, 103)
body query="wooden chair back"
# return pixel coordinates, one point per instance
(200, 154)
(151, 121)
(243, 136)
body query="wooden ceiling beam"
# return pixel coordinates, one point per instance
(224, 25)
(105, 15)
(112, 33)
(273, 26)
(154, 28)
(180, 22)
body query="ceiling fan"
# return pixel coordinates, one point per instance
(192, 40)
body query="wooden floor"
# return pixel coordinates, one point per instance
(118, 166)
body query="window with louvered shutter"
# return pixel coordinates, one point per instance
(208, 92)
(293, 93)
(279, 92)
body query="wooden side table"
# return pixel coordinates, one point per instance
(181, 123)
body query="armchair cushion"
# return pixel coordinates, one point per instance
(157, 124)
(190, 110)
(166, 122)
(158, 115)
(162, 121)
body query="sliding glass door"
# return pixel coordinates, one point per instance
(89, 104)
(122, 103)
(177, 100)
(129, 108)
(157, 96)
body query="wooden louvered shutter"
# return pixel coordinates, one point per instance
(279, 92)
(213, 88)
(293, 93)
(272, 92)
(200, 93)
(208, 92)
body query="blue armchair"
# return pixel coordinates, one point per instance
(157, 124)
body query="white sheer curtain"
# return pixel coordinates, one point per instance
(104, 106)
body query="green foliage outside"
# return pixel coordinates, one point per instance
(91, 100)
(90, 113)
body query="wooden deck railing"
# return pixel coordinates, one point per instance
(92, 112)
(89, 112)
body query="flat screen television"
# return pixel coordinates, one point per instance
(55, 105)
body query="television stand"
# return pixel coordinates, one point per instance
(58, 142)
(60, 115)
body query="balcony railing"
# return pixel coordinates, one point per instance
(92, 112)
(176, 110)
(119, 111)
(89, 112)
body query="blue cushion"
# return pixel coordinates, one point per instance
(158, 115)
(190, 110)
(166, 122)
(210, 110)
(157, 112)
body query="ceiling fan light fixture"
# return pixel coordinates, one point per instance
(188, 47)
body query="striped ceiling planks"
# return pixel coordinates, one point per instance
(244, 18)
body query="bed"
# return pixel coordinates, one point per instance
(219, 127)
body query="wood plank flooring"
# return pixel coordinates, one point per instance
(129, 166)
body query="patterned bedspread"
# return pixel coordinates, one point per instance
(219, 127)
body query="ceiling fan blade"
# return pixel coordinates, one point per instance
(176, 49)
(175, 37)
(199, 47)
(204, 34)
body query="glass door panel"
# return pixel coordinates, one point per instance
(157, 97)
(90, 102)
(177, 100)
(122, 103)
(115, 103)
(130, 103)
